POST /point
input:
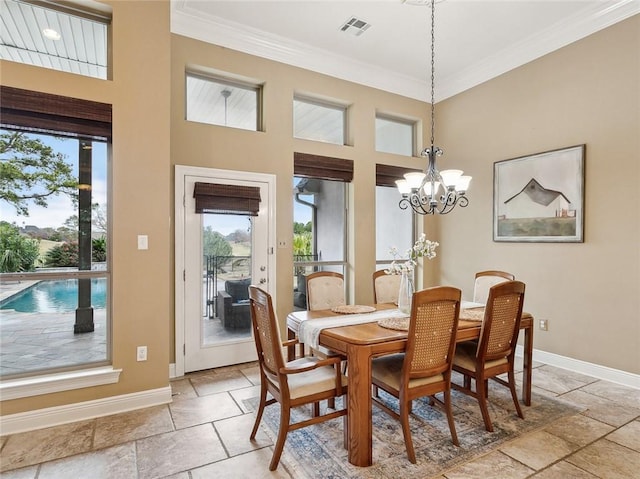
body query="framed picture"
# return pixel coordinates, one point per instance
(540, 198)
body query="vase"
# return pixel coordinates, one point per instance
(406, 292)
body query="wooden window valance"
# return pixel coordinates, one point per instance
(306, 165)
(386, 175)
(227, 199)
(38, 112)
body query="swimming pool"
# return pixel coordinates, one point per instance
(57, 296)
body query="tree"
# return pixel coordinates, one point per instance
(300, 228)
(18, 252)
(239, 236)
(215, 244)
(31, 170)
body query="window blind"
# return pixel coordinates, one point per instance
(306, 165)
(386, 175)
(227, 199)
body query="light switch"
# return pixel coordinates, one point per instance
(143, 242)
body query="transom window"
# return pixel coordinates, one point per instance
(222, 102)
(319, 121)
(58, 37)
(395, 136)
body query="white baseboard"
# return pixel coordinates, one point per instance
(172, 371)
(590, 369)
(54, 416)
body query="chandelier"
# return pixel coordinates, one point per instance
(433, 192)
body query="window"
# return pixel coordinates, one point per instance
(54, 233)
(394, 227)
(60, 38)
(320, 218)
(221, 102)
(395, 136)
(314, 120)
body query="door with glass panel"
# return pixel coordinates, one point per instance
(225, 251)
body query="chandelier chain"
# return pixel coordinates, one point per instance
(433, 68)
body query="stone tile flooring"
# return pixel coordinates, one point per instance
(204, 433)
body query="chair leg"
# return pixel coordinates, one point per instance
(482, 401)
(514, 395)
(452, 425)
(406, 431)
(263, 400)
(315, 409)
(331, 402)
(285, 413)
(345, 429)
(467, 382)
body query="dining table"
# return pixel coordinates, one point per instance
(361, 338)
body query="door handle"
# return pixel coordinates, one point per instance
(263, 280)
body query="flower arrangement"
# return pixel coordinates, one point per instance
(423, 248)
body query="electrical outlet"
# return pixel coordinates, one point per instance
(141, 353)
(544, 324)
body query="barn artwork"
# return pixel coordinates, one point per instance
(540, 198)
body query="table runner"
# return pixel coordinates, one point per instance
(309, 329)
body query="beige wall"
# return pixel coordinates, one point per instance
(584, 93)
(587, 92)
(271, 151)
(140, 196)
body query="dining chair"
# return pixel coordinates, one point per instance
(385, 287)
(425, 368)
(325, 290)
(302, 381)
(494, 352)
(484, 280)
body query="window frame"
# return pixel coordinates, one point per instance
(328, 104)
(231, 82)
(43, 113)
(413, 124)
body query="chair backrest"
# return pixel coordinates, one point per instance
(501, 324)
(325, 289)
(432, 332)
(385, 287)
(266, 334)
(485, 280)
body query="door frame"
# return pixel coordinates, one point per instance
(179, 259)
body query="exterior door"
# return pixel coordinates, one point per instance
(223, 254)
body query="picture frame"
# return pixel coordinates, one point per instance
(540, 197)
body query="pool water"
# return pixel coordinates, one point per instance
(56, 297)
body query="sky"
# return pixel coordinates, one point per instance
(60, 207)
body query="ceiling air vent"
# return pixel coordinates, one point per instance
(355, 26)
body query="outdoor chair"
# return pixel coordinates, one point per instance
(425, 368)
(494, 352)
(233, 304)
(295, 383)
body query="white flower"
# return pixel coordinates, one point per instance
(423, 248)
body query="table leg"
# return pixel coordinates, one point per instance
(527, 362)
(291, 350)
(359, 415)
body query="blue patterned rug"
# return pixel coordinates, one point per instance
(316, 452)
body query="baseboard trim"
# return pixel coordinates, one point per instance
(55, 416)
(576, 365)
(172, 371)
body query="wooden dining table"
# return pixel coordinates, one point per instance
(361, 342)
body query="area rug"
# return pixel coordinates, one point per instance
(316, 452)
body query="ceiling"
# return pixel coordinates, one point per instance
(476, 40)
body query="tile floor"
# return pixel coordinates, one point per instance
(204, 432)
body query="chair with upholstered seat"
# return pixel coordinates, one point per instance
(484, 280)
(294, 383)
(494, 352)
(425, 368)
(385, 287)
(325, 290)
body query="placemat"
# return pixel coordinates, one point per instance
(397, 323)
(473, 314)
(352, 309)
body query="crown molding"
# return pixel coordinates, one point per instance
(554, 37)
(192, 23)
